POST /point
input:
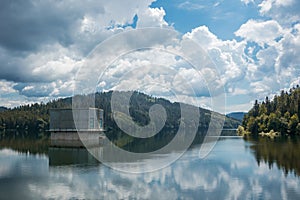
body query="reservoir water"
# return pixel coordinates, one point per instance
(235, 169)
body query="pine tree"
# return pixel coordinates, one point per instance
(282, 114)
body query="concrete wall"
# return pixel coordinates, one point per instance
(72, 139)
(74, 135)
(84, 119)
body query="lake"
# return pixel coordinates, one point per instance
(235, 169)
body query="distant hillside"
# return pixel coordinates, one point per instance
(34, 119)
(236, 115)
(2, 108)
(281, 115)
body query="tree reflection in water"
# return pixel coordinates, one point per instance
(26, 145)
(282, 152)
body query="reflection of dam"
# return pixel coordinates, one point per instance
(72, 156)
(111, 155)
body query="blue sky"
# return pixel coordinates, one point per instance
(254, 45)
(222, 17)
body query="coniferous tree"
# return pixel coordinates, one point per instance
(282, 114)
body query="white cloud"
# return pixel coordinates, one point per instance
(152, 17)
(289, 49)
(241, 73)
(6, 87)
(258, 70)
(187, 5)
(203, 36)
(156, 72)
(54, 64)
(247, 1)
(267, 5)
(44, 65)
(285, 12)
(227, 55)
(53, 89)
(267, 59)
(191, 82)
(261, 32)
(284, 2)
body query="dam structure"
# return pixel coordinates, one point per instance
(73, 127)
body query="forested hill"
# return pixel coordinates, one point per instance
(2, 108)
(34, 119)
(237, 115)
(279, 115)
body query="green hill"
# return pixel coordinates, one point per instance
(277, 117)
(33, 120)
(236, 115)
(2, 108)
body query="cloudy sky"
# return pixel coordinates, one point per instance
(254, 45)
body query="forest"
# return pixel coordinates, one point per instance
(279, 116)
(33, 120)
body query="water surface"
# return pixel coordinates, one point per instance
(235, 169)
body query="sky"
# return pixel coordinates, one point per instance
(253, 44)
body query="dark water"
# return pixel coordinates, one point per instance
(235, 169)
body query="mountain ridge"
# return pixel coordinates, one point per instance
(237, 115)
(34, 119)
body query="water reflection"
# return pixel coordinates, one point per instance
(14, 164)
(282, 152)
(18, 171)
(229, 172)
(70, 156)
(23, 145)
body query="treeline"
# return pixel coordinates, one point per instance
(280, 115)
(29, 120)
(34, 119)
